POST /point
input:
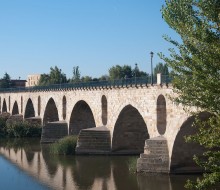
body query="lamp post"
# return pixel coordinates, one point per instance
(135, 74)
(151, 55)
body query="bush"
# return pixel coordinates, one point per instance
(65, 146)
(132, 164)
(22, 129)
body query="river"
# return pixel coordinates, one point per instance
(26, 164)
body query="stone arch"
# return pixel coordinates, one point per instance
(130, 131)
(182, 152)
(104, 110)
(64, 107)
(29, 110)
(4, 106)
(21, 104)
(0, 104)
(15, 108)
(161, 114)
(38, 105)
(9, 103)
(51, 112)
(81, 118)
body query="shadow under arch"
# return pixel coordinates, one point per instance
(81, 118)
(130, 132)
(29, 110)
(182, 153)
(4, 106)
(104, 110)
(161, 114)
(64, 107)
(38, 105)
(51, 112)
(15, 108)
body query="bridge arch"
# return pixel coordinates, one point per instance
(64, 107)
(0, 105)
(81, 118)
(15, 108)
(130, 131)
(51, 112)
(29, 109)
(4, 106)
(161, 114)
(182, 152)
(104, 110)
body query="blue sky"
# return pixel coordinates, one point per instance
(92, 34)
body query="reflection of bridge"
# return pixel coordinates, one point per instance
(131, 113)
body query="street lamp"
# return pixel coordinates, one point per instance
(135, 74)
(151, 55)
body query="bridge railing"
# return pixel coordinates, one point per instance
(107, 83)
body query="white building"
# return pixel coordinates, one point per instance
(33, 80)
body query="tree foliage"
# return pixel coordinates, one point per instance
(76, 74)
(54, 77)
(125, 71)
(195, 64)
(161, 68)
(5, 81)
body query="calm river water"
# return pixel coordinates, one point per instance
(25, 164)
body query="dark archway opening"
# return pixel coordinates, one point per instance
(21, 104)
(182, 154)
(161, 114)
(64, 107)
(130, 132)
(29, 110)
(9, 103)
(51, 112)
(15, 108)
(81, 118)
(104, 110)
(39, 106)
(4, 106)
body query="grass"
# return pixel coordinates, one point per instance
(65, 146)
(132, 164)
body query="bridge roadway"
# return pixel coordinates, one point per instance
(138, 117)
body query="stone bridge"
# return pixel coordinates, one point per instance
(117, 119)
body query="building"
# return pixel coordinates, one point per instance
(33, 80)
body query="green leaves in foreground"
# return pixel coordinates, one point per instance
(195, 65)
(208, 135)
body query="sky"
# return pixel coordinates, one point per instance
(92, 34)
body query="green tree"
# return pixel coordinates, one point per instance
(54, 77)
(86, 79)
(161, 68)
(115, 72)
(119, 72)
(5, 81)
(136, 72)
(76, 74)
(195, 67)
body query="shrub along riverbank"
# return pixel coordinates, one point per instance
(65, 146)
(18, 129)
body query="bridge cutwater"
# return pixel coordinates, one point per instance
(117, 117)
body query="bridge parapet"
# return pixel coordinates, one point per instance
(124, 82)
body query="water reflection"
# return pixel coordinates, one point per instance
(82, 172)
